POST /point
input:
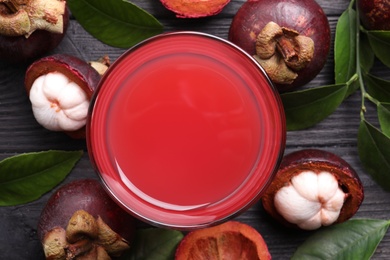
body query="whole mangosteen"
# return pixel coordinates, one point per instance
(290, 39)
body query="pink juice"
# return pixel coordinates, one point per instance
(185, 130)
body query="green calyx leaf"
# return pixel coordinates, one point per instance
(117, 23)
(353, 239)
(374, 151)
(306, 108)
(154, 243)
(26, 177)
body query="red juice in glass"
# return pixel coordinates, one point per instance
(185, 130)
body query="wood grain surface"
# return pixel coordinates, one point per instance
(19, 133)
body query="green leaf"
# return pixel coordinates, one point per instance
(377, 88)
(374, 153)
(345, 46)
(154, 244)
(353, 239)
(117, 23)
(367, 56)
(380, 44)
(26, 177)
(306, 108)
(384, 117)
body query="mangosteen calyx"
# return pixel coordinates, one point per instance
(85, 236)
(283, 52)
(101, 65)
(23, 17)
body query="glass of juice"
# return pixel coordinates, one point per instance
(185, 130)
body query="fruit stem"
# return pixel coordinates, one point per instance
(286, 48)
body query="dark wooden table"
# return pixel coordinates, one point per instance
(19, 133)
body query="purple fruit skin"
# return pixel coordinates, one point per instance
(88, 195)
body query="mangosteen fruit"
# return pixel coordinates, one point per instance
(31, 28)
(81, 221)
(313, 188)
(290, 39)
(60, 88)
(374, 14)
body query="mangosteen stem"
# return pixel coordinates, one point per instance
(287, 49)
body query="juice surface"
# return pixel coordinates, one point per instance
(183, 133)
(185, 130)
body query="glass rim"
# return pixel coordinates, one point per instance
(255, 190)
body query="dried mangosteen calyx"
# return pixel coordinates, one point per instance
(311, 200)
(81, 224)
(55, 244)
(23, 17)
(283, 52)
(59, 104)
(113, 243)
(277, 69)
(84, 236)
(101, 65)
(15, 24)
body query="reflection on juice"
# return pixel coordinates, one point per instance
(185, 130)
(183, 133)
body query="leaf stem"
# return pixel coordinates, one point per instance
(351, 4)
(352, 79)
(372, 99)
(358, 68)
(359, 72)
